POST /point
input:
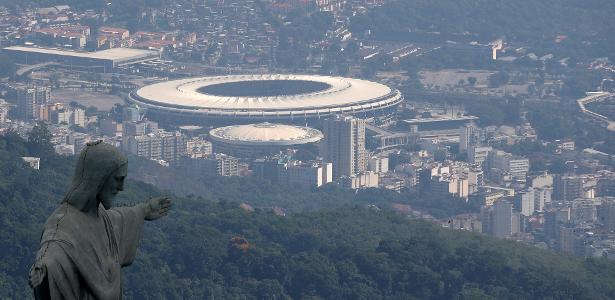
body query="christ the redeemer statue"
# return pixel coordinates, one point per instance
(85, 242)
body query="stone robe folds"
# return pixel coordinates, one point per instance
(81, 256)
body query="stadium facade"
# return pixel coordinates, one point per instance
(255, 140)
(236, 99)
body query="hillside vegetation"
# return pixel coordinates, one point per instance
(216, 250)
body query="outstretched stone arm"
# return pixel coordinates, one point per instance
(127, 223)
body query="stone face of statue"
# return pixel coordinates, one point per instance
(113, 185)
(85, 242)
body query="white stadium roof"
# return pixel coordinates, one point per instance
(341, 95)
(115, 54)
(264, 134)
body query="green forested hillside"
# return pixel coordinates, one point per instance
(215, 250)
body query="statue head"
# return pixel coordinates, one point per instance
(99, 176)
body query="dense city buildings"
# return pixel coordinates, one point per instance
(568, 188)
(197, 147)
(73, 35)
(308, 174)
(501, 164)
(214, 165)
(363, 180)
(160, 145)
(478, 155)
(282, 169)
(139, 128)
(449, 179)
(60, 114)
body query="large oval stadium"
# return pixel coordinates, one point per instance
(255, 98)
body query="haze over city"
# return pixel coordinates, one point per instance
(314, 149)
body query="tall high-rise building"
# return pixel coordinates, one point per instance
(64, 115)
(476, 179)
(280, 169)
(139, 128)
(131, 114)
(478, 155)
(173, 145)
(215, 165)
(4, 112)
(567, 187)
(499, 220)
(197, 147)
(344, 145)
(584, 211)
(468, 137)
(542, 197)
(78, 140)
(605, 186)
(516, 166)
(502, 219)
(571, 240)
(554, 217)
(77, 117)
(606, 214)
(149, 146)
(167, 146)
(27, 99)
(309, 174)
(524, 202)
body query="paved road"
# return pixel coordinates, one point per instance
(595, 97)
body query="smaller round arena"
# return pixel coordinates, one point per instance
(256, 140)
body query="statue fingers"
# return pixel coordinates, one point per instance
(37, 275)
(157, 199)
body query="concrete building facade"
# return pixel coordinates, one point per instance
(4, 112)
(344, 145)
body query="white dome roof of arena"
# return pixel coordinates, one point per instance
(266, 96)
(266, 134)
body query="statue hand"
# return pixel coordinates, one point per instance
(157, 207)
(38, 272)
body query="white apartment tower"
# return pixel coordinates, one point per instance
(504, 224)
(344, 145)
(27, 99)
(4, 112)
(467, 137)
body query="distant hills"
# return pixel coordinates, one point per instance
(216, 250)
